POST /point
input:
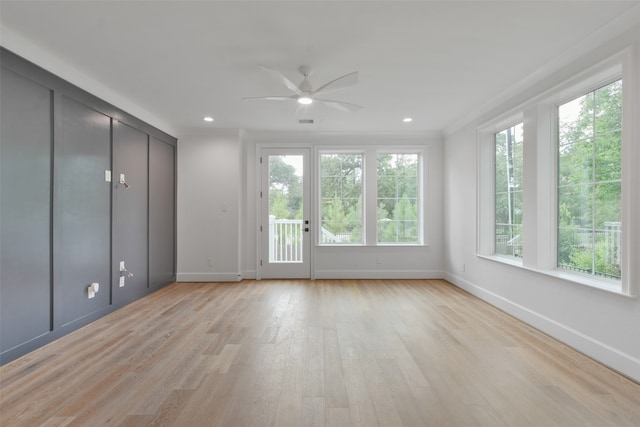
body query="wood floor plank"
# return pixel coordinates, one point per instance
(301, 353)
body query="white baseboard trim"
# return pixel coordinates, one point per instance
(209, 277)
(613, 358)
(378, 274)
(249, 275)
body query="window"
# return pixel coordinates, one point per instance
(508, 191)
(568, 194)
(341, 190)
(397, 198)
(371, 196)
(589, 183)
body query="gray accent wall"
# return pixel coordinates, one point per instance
(82, 220)
(130, 212)
(63, 224)
(162, 213)
(25, 216)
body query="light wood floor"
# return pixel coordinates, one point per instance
(301, 353)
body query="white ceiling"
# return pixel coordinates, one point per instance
(433, 61)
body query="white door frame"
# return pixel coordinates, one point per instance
(304, 270)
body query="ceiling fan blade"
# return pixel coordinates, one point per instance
(273, 98)
(340, 105)
(339, 83)
(290, 85)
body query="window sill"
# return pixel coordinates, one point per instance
(379, 245)
(609, 287)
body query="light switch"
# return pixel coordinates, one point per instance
(107, 176)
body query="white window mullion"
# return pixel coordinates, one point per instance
(546, 190)
(630, 237)
(369, 194)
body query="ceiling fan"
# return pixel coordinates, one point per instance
(304, 93)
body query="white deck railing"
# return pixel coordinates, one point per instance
(285, 240)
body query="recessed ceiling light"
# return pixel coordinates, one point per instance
(305, 100)
(208, 119)
(407, 120)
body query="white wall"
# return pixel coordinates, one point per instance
(356, 262)
(217, 171)
(601, 324)
(43, 58)
(209, 206)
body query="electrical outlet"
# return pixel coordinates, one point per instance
(121, 281)
(464, 267)
(210, 262)
(93, 289)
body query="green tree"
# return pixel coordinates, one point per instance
(278, 204)
(397, 209)
(509, 147)
(589, 177)
(341, 194)
(285, 189)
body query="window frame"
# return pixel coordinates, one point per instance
(369, 195)
(590, 85)
(342, 151)
(420, 194)
(495, 193)
(540, 196)
(486, 201)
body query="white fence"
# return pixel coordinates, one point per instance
(285, 240)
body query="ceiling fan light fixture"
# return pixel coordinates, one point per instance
(305, 100)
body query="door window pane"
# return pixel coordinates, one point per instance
(285, 208)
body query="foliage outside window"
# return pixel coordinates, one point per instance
(508, 191)
(341, 185)
(285, 189)
(589, 182)
(397, 200)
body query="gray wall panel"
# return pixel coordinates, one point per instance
(161, 213)
(25, 229)
(95, 223)
(130, 215)
(82, 210)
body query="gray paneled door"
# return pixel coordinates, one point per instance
(130, 213)
(82, 210)
(161, 213)
(25, 196)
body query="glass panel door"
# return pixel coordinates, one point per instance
(285, 226)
